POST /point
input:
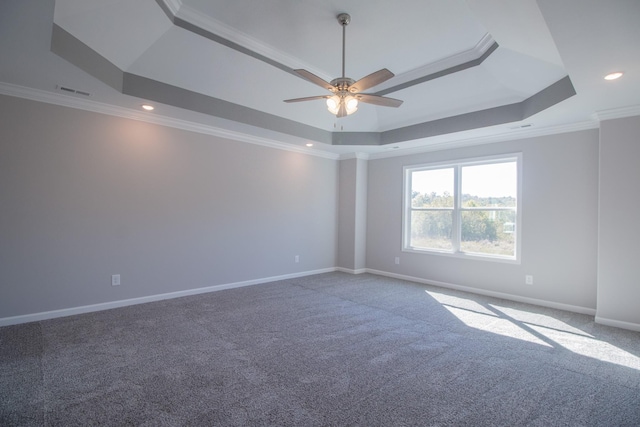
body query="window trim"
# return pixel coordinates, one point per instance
(457, 209)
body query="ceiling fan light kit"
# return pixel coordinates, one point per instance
(336, 103)
(346, 91)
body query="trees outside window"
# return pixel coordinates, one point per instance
(465, 208)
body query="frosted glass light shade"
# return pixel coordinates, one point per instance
(333, 104)
(350, 103)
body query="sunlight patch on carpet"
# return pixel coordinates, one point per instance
(534, 327)
(481, 317)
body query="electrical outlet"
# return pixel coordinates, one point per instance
(397, 260)
(297, 258)
(115, 280)
(528, 280)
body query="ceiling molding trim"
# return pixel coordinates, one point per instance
(73, 50)
(509, 113)
(463, 122)
(153, 90)
(488, 139)
(449, 65)
(355, 155)
(66, 46)
(222, 31)
(551, 95)
(356, 138)
(189, 26)
(79, 54)
(617, 113)
(189, 19)
(484, 44)
(127, 113)
(170, 7)
(183, 17)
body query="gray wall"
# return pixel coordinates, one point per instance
(85, 196)
(362, 176)
(559, 222)
(346, 214)
(619, 242)
(352, 215)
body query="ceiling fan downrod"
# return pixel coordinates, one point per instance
(343, 83)
(344, 19)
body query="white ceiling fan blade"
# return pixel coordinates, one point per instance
(378, 100)
(371, 80)
(308, 98)
(315, 79)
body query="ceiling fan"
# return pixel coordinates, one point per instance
(346, 91)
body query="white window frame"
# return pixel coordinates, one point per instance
(458, 209)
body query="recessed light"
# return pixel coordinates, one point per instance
(148, 107)
(613, 76)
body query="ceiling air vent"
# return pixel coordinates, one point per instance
(69, 90)
(527, 125)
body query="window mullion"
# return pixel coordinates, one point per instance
(408, 210)
(455, 233)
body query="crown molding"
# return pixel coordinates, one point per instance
(617, 113)
(469, 55)
(211, 25)
(355, 155)
(488, 139)
(220, 29)
(427, 133)
(128, 113)
(173, 6)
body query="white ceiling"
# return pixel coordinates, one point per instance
(226, 66)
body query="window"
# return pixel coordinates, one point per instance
(466, 208)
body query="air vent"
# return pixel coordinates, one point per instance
(72, 91)
(527, 125)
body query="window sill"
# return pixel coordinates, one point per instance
(464, 255)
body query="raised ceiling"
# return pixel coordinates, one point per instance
(465, 69)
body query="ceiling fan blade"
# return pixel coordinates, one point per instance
(378, 100)
(308, 98)
(315, 79)
(371, 80)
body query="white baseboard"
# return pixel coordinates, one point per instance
(351, 271)
(151, 298)
(35, 317)
(618, 324)
(517, 298)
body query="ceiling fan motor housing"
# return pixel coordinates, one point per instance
(342, 83)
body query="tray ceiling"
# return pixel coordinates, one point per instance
(462, 67)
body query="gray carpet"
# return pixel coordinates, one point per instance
(326, 350)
